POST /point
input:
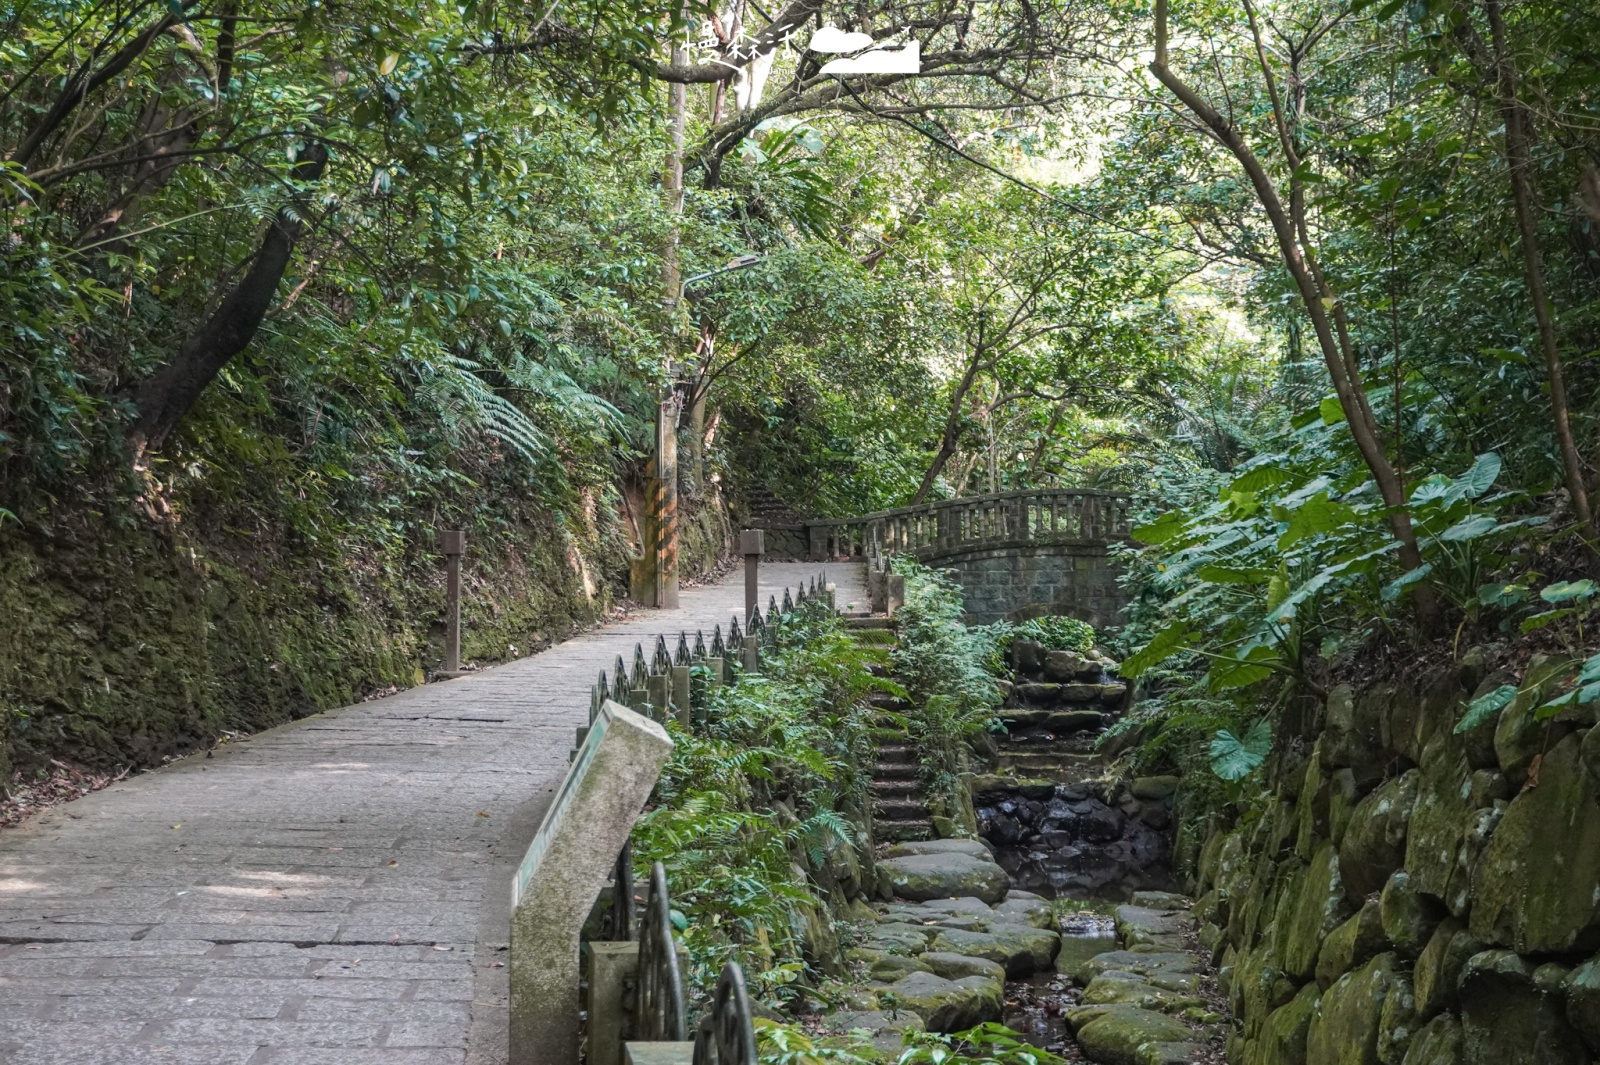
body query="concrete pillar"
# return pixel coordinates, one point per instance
(896, 593)
(680, 694)
(611, 969)
(752, 542)
(453, 542)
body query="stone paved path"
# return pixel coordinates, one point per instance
(333, 891)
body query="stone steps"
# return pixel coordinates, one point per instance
(897, 754)
(901, 831)
(1035, 762)
(900, 809)
(894, 772)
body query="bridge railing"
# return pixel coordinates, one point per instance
(1004, 519)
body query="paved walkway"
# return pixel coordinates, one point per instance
(333, 891)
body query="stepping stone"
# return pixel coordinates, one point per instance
(948, 874)
(882, 965)
(976, 848)
(1141, 926)
(886, 1028)
(1143, 964)
(1022, 949)
(955, 966)
(1117, 988)
(1026, 908)
(1160, 900)
(947, 1005)
(1126, 1035)
(904, 939)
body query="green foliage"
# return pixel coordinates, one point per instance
(1053, 632)
(988, 1044)
(787, 1044)
(1485, 707)
(941, 663)
(1234, 758)
(775, 776)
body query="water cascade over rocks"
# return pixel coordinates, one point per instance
(1057, 827)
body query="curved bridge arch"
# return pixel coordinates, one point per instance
(1016, 555)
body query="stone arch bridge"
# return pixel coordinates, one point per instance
(1016, 555)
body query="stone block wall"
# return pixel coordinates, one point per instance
(1411, 896)
(1019, 583)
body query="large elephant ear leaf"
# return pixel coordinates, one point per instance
(1485, 706)
(1167, 527)
(1163, 645)
(1234, 757)
(1479, 479)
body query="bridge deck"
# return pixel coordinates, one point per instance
(333, 891)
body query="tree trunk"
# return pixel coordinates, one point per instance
(171, 391)
(1522, 197)
(1318, 299)
(80, 85)
(952, 424)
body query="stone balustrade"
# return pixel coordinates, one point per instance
(1005, 519)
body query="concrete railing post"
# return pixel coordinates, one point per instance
(453, 543)
(752, 542)
(561, 875)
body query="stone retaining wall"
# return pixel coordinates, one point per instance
(1412, 896)
(1019, 583)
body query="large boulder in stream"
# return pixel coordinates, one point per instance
(1127, 1035)
(1022, 949)
(942, 869)
(946, 1005)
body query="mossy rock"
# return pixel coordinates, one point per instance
(1117, 988)
(1258, 987)
(1536, 888)
(1519, 736)
(1398, 1022)
(924, 876)
(1514, 1014)
(1374, 844)
(1355, 942)
(1436, 839)
(1583, 1001)
(1021, 949)
(1439, 967)
(1409, 917)
(1438, 1043)
(1311, 808)
(1312, 908)
(947, 1005)
(1282, 1039)
(1346, 1027)
(1126, 1035)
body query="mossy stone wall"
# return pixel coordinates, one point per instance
(1411, 895)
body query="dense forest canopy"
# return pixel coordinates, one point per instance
(351, 266)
